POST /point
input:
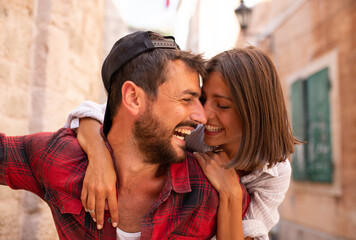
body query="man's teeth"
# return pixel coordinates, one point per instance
(181, 133)
(184, 131)
(213, 128)
(179, 137)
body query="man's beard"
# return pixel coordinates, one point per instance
(154, 140)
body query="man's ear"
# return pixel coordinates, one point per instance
(133, 97)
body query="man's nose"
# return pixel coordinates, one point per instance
(198, 114)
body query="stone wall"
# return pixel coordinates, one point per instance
(300, 36)
(50, 59)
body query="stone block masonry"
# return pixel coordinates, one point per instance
(50, 59)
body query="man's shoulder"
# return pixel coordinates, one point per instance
(200, 203)
(198, 180)
(63, 148)
(42, 139)
(194, 168)
(43, 143)
(62, 163)
(65, 141)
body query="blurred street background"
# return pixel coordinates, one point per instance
(51, 53)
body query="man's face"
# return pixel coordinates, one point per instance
(161, 130)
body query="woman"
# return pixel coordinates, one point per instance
(248, 135)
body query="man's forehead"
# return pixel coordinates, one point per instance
(180, 65)
(182, 83)
(178, 68)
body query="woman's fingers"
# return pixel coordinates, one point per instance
(112, 202)
(200, 159)
(99, 185)
(211, 155)
(106, 199)
(84, 197)
(220, 157)
(213, 166)
(91, 205)
(207, 159)
(99, 207)
(96, 200)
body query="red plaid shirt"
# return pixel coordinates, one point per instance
(52, 165)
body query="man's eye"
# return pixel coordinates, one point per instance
(188, 100)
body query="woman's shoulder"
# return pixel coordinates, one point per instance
(281, 170)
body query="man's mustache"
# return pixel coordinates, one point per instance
(187, 124)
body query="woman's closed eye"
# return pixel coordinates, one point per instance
(223, 106)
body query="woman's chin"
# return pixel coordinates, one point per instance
(211, 142)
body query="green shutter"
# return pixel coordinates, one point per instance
(319, 159)
(299, 129)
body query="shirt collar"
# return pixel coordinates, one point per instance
(272, 171)
(179, 176)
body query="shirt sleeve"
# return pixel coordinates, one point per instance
(19, 161)
(43, 163)
(267, 193)
(86, 109)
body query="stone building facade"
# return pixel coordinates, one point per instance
(312, 40)
(50, 59)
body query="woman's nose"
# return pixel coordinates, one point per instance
(208, 110)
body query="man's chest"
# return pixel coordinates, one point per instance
(167, 218)
(132, 209)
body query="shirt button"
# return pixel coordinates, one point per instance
(109, 220)
(62, 208)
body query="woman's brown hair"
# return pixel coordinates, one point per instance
(257, 94)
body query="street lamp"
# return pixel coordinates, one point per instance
(243, 14)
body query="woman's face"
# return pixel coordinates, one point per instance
(223, 127)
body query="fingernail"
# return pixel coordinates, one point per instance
(94, 219)
(86, 209)
(99, 226)
(114, 224)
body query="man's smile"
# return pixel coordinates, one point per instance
(181, 133)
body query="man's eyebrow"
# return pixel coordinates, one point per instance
(193, 93)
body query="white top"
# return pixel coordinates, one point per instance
(121, 235)
(267, 187)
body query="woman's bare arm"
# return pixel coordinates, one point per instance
(227, 183)
(99, 185)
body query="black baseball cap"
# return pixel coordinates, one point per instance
(125, 49)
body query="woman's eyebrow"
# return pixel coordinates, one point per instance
(221, 96)
(218, 96)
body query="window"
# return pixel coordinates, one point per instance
(310, 102)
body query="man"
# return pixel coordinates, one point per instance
(153, 90)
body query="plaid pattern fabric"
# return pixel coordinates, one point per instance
(52, 165)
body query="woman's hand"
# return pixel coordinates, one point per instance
(223, 179)
(227, 183)
(99, 185)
